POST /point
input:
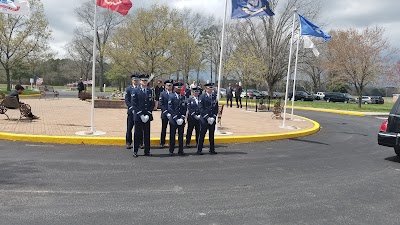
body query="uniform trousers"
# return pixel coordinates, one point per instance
(142, 135)
(192, 124)
(203, 130)
(172, 133)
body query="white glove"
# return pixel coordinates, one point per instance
(210, 120)
(169, 115)
(179, 122)
(144, 118)
(197, 117)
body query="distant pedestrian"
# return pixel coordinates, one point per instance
(157, 91)
(229, 95)
(81, 87)
(238, 92)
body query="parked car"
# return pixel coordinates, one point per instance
(278, 94)
(339, 97)
(251, 93)
(321, 95)
(301, 95)
(389, 132)
(378, 99)
(222, 92)
(264, 93)
(366, 100)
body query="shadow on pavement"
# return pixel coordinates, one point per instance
(393, 159)
(307, 141)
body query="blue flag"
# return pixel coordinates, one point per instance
(308, 28)
(250, 8)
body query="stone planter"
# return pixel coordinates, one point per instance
(106, 103)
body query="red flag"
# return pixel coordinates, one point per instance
(121, 6)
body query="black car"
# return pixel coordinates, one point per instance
(301, 95)
(389, 133)
(378, 99)
(338, 97)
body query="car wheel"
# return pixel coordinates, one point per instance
(345, 102)
(328, 100)
(366, 103)
(397, 151)
(302, 99)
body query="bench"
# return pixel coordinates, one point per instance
(277, 111)
(220, 110)
(12, 103)
(44, 91)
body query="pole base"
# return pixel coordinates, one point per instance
(222, 133)
(90, 133)
(290, 127)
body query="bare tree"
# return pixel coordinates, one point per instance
(21, 35)
(80, 50)
(107, 22)
(359, 56)
(269, 37)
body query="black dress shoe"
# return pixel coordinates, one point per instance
(135, 155)
(188, 146)
(129, 146)
(171, 154)
(148, 154)
(141, 146)
(213, 152)
(199, 153)
(162, 146)
(181, 153)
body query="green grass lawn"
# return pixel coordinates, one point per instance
(339, 106)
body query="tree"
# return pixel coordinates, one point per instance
(145, 42)
(107, 22)
(20, 35)
(80, 50)
(269, 37)
(358, 57)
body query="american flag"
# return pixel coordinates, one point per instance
(39, 81)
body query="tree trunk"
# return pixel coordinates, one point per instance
(101, 73)
(8, 79)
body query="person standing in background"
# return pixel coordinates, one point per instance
(80, 87)
(238, 92)
(157, 91)
(229, 95)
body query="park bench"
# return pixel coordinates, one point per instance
(220, 109)
(277, 111)
(45, 91)
(12, 103)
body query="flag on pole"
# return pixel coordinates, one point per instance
(308, 43)
(308, 28)
(15, 7)
(250, 8)
(121, 6)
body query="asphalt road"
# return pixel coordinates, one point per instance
(338, 176)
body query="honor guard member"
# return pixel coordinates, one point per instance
(193, 117)
(177, 108)
(128, 97)
(163, 103)
(143, 105)
(208, 107)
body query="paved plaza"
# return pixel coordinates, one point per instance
(66, 116)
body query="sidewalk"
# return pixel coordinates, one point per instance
(65, 117)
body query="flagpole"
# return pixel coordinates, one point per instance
(220, 61)
(288, 72)
(295, 72)
(94, 68)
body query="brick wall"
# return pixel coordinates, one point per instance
(104, 103)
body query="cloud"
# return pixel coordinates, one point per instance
(336, 14)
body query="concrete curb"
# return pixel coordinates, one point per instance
(78, 140)
(29, 96)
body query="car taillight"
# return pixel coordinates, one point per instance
(384, 126)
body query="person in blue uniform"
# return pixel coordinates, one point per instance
(208, 107)
(129, 121)
(193, 117)
(143, 105)
(163, 103)
(177, 108)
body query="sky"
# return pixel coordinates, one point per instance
(334, 13)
